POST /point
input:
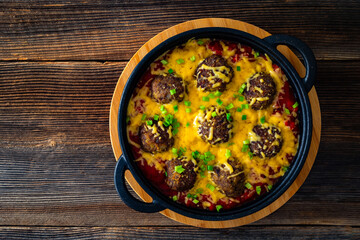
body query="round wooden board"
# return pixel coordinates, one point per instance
(228, 23)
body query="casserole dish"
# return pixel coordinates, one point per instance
(300, 87)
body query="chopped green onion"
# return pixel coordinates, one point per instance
(230, 106)
(210, 168)
(149, 122)
(188, 110)
(172, 91)
(202, 167)
(175, 131)
(238, 68)
(192, 58)
(202, 174)
(195, 201)
(176, 124)
(179, 169)
(164, 62)
(269, 187)
(174, 151)
(243, 86)
(229, 144)
(143, 117)
(238, 109)
(200, 42)
(243, 117)
(246, 141)
(245, 148)
(156, 117)
(195, 154)
(287, 111)
(218, 207)
(285, 168)
(180, 61)
(211, 187)
(227, 153)
(166, 173)
(205, 99)
(202, 107)
(175, 198)
(258, 190)
(162, 108)
(189, 195)
(228, 117)
(127, 119)
(176, 108)
(262, 120)
(218, 94)
(245, 106)
(187, 103)
(251, 155)
(295, 105)
(188, 124)
(241, 98)
(211, 95)
(256, 54)
(219, 101)
(213, 114)
(248, 185)
(199, 190)
(170, 71)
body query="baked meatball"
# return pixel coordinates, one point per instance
(155, 137)
(214, 126)
(260, 91)
(231, 184)
(185, 176)
(213, 74)
(265, 140)
(161, 88)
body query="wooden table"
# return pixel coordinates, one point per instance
(59, 63)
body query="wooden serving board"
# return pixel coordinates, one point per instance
(228, 23)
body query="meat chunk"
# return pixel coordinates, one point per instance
(166, 88)
(181, 173)
(265, 140)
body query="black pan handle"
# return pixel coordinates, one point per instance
(128, 199)
(304, 50)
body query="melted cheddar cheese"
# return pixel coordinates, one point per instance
(256, 169)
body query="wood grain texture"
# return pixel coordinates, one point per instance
(103, 30)
(253, 232)
(56, 164)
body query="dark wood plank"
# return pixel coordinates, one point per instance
(56, 162)
(249, 232)
(103, 30)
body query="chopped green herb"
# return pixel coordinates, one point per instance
(175, 131)
(241, 98)
(285, 168)
(243, 117)
(187, 103)
(218, 94)
(199, 190)
(287, 111)
(227, 153)
(172, 91)
(258, 190)
(195, 154)
(176, 108)
(188, 110)
(210, 168)
(256, 54)
(162, 108)
(170, 71)
(269, 187)
(174, 151)
(218, 207)
(230, 106)
(143, 117)
(166, 173)
(187, 124)
(179, 169)
(211, 187)
(156, 117)
(200, 42)
(175, 198)
(245, 106)
(202, 174)
(205, 99)
(189, 195)
(211, 95)
(228, 116)
(262, 120)
(149, 122)
(245, 148)
(229, 144)
(195, 201)
(219, 101)
(202, 107)
(192, 58)
(213, 114)
(164, 62)
(251, 155)
(238, 68)
(180, 61)
(246, 141)
(295, 105)
(248, 185)
(243, 86)
(127, 119)
(238, 109)
(202, 167)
